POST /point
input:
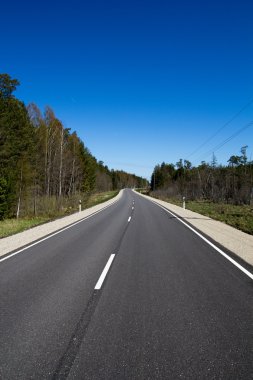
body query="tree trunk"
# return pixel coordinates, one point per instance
(60, 168)
(71, 177)
(49, 158)
(20, 192)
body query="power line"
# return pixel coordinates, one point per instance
(235, 134)
(220, 129)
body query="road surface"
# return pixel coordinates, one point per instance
(130, 293)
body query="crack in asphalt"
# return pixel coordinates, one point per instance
(67, 359)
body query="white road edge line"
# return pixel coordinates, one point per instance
(55, 233)
(249, 274)
(104, 273)
(129, 219)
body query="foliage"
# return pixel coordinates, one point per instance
(231, 184)
(16, 144)
(43, 166)
(3, 198)
(224, 193)
(7, 86)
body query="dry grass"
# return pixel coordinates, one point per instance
(12, 226)
(240, 217)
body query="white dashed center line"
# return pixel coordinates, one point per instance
(104, 273)
(129, 219)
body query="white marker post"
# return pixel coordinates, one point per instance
(80, 205)
(184, 203)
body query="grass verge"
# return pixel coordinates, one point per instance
(12, 226)
(240, 217)
(98, 198)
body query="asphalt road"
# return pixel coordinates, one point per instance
(169, 307)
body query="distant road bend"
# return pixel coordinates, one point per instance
(130, 293)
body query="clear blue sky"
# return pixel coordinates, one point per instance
(140, 81)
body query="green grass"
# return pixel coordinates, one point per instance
(240, 217)
(12, 226)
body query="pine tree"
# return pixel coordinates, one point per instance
(16, 144)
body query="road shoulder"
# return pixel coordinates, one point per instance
(236, 241)
(22, 239)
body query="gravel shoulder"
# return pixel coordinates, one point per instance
(14, 242)
(238, 242)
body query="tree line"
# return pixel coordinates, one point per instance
(43, 165)
(231, 183)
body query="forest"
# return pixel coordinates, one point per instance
(230, 184)
(45, 167)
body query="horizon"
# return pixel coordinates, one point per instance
(141, 84)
